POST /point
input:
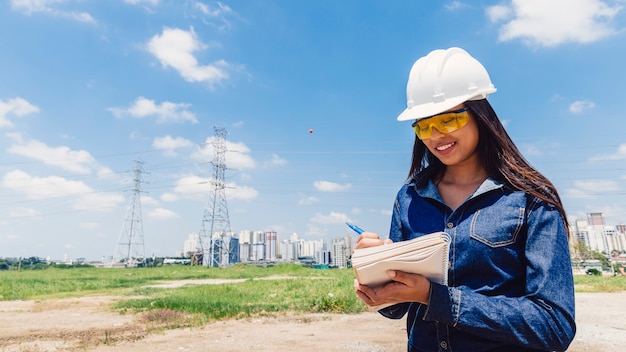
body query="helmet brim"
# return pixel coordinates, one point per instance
(429, 109)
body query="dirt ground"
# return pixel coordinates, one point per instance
(89, 324)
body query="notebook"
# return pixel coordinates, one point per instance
(426, 255)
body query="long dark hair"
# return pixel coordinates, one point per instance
(501, 158)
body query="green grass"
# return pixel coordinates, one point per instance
(54, 283)
(254, 298)
(293, 289)
(592, 283)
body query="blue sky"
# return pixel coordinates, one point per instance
(89, 87)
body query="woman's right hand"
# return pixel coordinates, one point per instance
(370, 239)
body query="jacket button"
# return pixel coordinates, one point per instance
(444, 345)
(450, 225)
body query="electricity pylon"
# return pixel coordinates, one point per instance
(130, 247)
(215, 249)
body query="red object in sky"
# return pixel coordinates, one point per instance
(311, 131)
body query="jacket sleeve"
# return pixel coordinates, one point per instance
(542, 318)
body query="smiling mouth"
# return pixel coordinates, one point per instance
(445, 146)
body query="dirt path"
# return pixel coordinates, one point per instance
(88, 324)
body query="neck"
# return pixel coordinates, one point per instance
(465, 174)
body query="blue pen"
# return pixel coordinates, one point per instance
(355, 228)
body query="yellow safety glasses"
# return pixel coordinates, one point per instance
(444, 123)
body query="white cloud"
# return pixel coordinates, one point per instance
(213, 11)
(105, 172)
(99, 201)
(48, 6)
(198, 188)
(147, 200)
(191, 187)
(331, 218)
(164, 112)
(589, 188)
(327, 186)
(455, 5)
(90, 225)
(17, 107)
(240, 192)
(554, 22)
(169, 197)
(142, 2)
(30, 6)
(580, 106)
(175, 47)
(532, 150)
(81, 196)
(169, 144)
(277, 160)
(236, 156)
(308, 200)
(23, 212)
(78, 161)
(498, 13)
(619, 155)
(161, 213)
(82, 17)
(216, 15)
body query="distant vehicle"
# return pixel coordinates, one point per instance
(176, 261)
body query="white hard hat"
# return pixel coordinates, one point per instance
(442, 80)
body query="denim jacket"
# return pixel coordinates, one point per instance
(510, 284)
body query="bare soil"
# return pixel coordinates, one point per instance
(89, 324)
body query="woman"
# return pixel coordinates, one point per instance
(510, 284)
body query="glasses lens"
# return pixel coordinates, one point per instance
(444, 123)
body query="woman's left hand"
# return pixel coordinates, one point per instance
(405, 287)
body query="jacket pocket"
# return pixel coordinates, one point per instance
(497, 226)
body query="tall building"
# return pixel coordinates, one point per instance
(271, 244)
(323, 255)
(192, 243)
(225, 249)
(341, 250)
(245, 245)
(288, 251)
(258, 252)
(596, 235)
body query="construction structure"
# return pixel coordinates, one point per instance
(130, 251)
(216, 239)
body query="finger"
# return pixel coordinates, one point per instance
(366, 235)
(364, 293)
(363, 297)
(401, 277)
(365, 242)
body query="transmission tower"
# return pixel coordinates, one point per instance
(130, 247)
(214, 241)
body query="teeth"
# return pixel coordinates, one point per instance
(444, 147)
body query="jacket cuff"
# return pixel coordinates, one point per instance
(444, 304)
